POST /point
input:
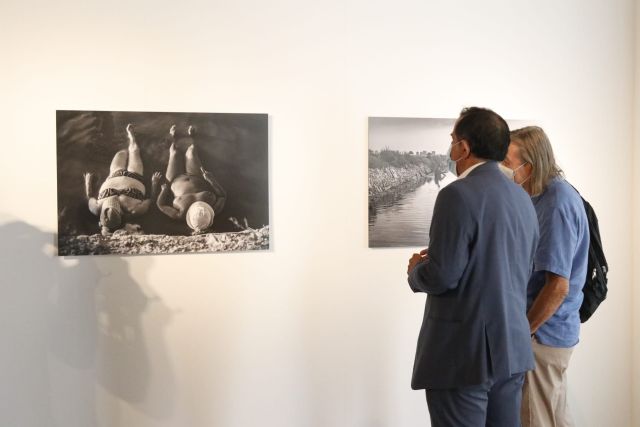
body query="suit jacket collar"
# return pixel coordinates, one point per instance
(489, 166)
(471, 169)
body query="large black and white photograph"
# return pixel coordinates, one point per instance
(160, 183)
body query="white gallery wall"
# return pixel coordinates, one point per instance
(319, 331)
(636, 227)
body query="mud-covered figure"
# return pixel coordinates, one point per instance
(123, 194)
(439, 172)
(193, 194)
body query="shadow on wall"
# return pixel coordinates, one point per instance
(132, 362)
(74, 338)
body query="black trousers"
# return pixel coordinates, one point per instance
(495, 403)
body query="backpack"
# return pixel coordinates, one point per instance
(595, 285)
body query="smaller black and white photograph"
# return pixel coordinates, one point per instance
(408, 165)
(160, 183)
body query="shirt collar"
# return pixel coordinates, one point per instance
(468, 171)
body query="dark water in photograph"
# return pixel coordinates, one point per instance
(403, 218)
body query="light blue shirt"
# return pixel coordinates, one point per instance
(563, 250)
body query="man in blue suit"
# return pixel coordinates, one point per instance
(474, 345)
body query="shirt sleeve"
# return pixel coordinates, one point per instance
(450, 239)
(558, 240)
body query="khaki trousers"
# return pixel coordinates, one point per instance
(544, 395)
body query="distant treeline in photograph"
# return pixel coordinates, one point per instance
(391, 158)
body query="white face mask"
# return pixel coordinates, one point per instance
(452, 164)
(513, 174)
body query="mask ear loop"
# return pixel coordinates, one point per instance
(525, 180)
(457, 142)
(468, 148)
(514, 174)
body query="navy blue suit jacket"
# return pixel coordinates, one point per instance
(483, 237)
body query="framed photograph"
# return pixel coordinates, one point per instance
(159, 183)
(407, 168)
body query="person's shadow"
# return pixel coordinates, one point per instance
(25, 382)
(132, 362)
(72, 335)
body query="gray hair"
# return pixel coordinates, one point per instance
(535, 149)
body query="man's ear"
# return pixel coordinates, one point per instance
(466, 147)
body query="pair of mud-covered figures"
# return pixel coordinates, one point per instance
(190, 192)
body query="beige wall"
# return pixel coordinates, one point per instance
(320, 331)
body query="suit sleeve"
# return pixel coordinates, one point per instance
(450, 235)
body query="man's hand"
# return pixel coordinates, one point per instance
(417, 259)
(155, 178)
(206, 174)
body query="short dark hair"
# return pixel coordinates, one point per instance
(486, 132)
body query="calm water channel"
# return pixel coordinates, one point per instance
(403, 219)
